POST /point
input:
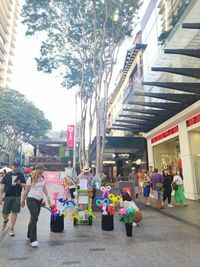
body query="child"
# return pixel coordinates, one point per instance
(129, 203)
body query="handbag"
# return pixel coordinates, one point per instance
(174, 186)
(159, 186)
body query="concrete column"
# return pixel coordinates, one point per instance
(186, 156)
(150, 153)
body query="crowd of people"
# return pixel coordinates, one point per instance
(148, 183)
(159, 186)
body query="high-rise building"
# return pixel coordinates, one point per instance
(9, 12)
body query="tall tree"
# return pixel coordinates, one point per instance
(20, 121)
(81, 41)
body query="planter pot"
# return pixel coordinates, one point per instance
(57, 223)
(107, 223)
(129, 228)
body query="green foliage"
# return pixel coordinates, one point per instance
(20, 120)
(69, 41)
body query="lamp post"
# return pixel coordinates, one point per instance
(74, 151)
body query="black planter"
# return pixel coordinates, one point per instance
(57, 223)
(129, 228)
(107, 223)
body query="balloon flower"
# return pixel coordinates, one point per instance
(127, 214)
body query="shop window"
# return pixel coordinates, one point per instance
(167, 155)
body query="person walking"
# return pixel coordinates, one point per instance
(167, 187)
(133, 177)
(179, 193)
(157, 186)
(11, 184)
(146, 188)
(33, 194)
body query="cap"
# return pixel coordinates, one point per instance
(39, 167)
(16, 163)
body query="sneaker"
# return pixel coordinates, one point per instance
(4, 225)
(170, 206)
(34, 244)
(12, 233)
(148, 204)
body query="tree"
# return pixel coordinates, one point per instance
(82, 41)
(20, 121)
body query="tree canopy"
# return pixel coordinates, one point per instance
(20, 120)
(81, 40)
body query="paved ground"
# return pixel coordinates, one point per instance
(159, 241)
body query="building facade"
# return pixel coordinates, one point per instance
(165, 106)
(9, 12)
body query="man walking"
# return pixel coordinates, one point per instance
(11, 185)
(133, 177)
(157, 186)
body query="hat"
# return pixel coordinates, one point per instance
(16, 163)
(39, 167)
(133, 168)
(86, 169)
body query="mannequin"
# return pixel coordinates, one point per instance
(164, 165)
(180, 163)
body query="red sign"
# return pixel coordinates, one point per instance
(193, 120)
(165, 134)
(70, 136)
(51, 177)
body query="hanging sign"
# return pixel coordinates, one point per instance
(70, 136)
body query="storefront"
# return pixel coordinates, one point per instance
(121, 154)
(175, 144)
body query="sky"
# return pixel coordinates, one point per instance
(44, 90)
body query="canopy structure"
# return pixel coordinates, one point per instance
(173, 82)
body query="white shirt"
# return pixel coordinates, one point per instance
(178, 180)
(36, 190)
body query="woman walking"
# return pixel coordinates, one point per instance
(167, 187)
(179, 193)
(146, 190)
(33, 193)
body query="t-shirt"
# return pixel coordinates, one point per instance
(36, 190)
(178, 179)
(88, 177)
(134, 178)
(12, 189)
(156, 178)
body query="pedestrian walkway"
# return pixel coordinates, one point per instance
(189, 215)
(158, 241)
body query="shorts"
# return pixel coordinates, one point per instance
(11, 204)
(158, 194)
(146, 191)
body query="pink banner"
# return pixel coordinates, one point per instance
(70, 136)
(52, 177)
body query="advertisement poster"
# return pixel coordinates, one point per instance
(70, 136)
